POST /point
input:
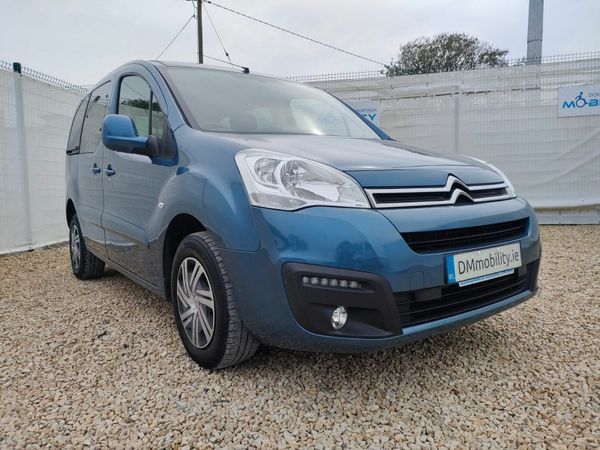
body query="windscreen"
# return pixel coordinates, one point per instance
(233, 102)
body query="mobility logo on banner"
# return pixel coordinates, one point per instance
(369, 109)
(579, 100)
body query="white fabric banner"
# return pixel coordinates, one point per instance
(576, 101)
(368, 109)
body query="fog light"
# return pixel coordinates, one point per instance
(339, 317)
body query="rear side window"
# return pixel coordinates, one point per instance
(92, 126)
(76, 126)
(137, 101)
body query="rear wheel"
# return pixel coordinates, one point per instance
(203, 305)
(85, 265)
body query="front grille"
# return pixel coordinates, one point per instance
(460, 238)
(419, 198)
(427, 305)
(486, 193)
(453, 192)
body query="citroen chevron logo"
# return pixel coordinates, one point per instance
(458, 188)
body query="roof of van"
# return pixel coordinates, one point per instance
(192, 65)
(236, 69)
(158, 64)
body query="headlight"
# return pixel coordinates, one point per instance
(509, 187)
(278, 181)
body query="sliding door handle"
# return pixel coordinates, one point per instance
(109, 171)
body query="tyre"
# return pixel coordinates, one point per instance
(204, 308)
(85, 265)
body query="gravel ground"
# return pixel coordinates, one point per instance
(100, 364)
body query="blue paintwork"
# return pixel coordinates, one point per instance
(203, 181)
(355, 239)
(119, 134)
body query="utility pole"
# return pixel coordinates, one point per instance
(200, 44)
(199, 19)
(534, 31)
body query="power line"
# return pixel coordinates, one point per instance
(217, 33)
(293, 33)
(175, 37)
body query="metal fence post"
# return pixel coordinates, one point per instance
(22, 151)
(456, 100)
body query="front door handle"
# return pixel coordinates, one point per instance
(109, 171)
(96, 169)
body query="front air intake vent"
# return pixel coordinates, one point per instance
(453, 299)
(463, 238)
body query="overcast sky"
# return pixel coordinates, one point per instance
(81, 40)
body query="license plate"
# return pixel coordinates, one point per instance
(482, 265)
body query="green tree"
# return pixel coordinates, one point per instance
(445, 52)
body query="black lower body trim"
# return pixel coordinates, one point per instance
(428, 305)
(374, 311)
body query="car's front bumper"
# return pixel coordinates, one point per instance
(368, 244)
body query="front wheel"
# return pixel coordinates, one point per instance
(203, 305)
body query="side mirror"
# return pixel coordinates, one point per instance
(119, 134)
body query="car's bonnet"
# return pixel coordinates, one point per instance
(374, 162)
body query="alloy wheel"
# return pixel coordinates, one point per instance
(75, 247)
(195, 302)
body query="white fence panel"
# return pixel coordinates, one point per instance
(34, 124)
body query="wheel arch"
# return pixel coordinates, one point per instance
(70, 211)
(179, 227)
